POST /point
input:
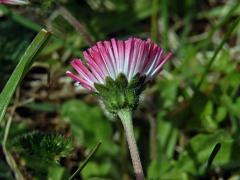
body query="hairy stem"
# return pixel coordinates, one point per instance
(126, 118)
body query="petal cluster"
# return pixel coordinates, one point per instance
(14, 2)
(111, 58)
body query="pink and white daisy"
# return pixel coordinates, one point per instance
(111, 58)
(14, 2)
(117, 72)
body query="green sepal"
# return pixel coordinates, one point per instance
(119, 93)
(137, 80)
(121, 81)
(110, 83)
(101, 88)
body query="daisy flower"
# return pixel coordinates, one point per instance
(118, 70)
(14, 2)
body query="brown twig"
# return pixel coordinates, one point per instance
(76, 24)
(153, 137)
(10, 160)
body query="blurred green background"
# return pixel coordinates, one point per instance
(188, 121)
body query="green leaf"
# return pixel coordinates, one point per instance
(5, 171)
(212, 156)
(168, 135)
(45, 106)
(23, 66)
(14, 40)
(197, 152)
(89, 126)
(211, 61)
(45, 147)
(16, 129)
(41, 152)
(93, 169)
(207, 117)
(221, 114)
(56, 173)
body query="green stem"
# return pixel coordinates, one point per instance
(225, 38)
(80, 168)
(126, 117)
(154, 20)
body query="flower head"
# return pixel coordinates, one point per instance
(118, 70)
(14, 2)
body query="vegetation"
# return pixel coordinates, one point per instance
(187, 123)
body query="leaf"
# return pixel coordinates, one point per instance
(45, 106)
(167, 137)
(197, 152)
(89, 126)
(213, 58)
(23, 66)
(15, 130)
(41, 152)
(45, 147)
(207, 117)
(94, 169)
(5, 171)
(168, 90)
(14, 40)
(213, 155)
(56, 173)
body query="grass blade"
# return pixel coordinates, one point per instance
(21, 69)
(165, 18)
(213, 155)
(154, 20)
(86, 160)
(225, 38)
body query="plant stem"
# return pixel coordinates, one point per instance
(76, 24)
(126, 117)
(9, 158)
(153, 137)
(154, 20)
(21, 69)
(225, 38)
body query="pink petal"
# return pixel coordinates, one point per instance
(94, 67)
(109, 49)
(144, 58)
(93, 64)
(84, 83)
(115, 53)
(83, 71)
(155, 60)
(14, 2)
(106, 59)
(159, 67)
(134, 59)
(120, 56)
(128, 55)
(94, 53)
